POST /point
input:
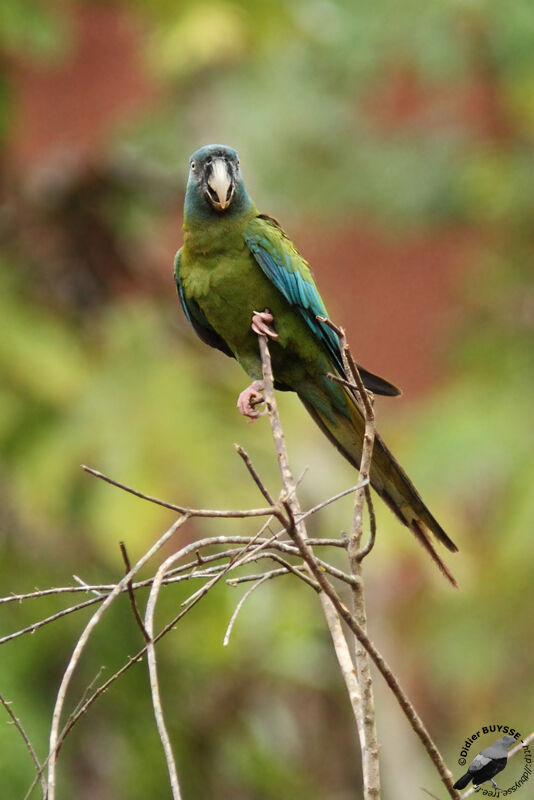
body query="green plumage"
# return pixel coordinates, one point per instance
(234, 262)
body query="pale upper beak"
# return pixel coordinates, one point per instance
(221, 185)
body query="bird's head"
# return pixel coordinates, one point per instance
(215, 183)
(507, 740)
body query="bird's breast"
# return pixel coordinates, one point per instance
(229, 287)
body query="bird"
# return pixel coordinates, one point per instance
(488, 763)
(238, 275)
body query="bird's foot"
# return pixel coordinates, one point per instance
(495, 786)
(249, 399)
(260, 324)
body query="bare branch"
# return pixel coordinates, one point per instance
(52, 618)
(18, 725)
(240, 605)
(350, 366)
(273, 573)
(333, 499)
(342, 381)
(255, 477)
(364, 551)
(323, 542)
(84, 585)
(190, 512)
(131, 594)
(341, 647)
(299, 571)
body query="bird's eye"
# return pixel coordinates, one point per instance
(193, 166)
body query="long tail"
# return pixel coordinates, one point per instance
(334, 410)
(462, 782)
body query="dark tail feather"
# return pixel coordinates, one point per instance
(378, 385)
(409, 493)
(387, 476)
(422, 536)
(462, 782)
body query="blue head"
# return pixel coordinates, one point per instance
(215, 187)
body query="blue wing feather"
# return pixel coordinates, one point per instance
(292, 276)
(282, 264)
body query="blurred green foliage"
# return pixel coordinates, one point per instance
(119, 382)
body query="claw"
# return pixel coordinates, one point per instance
(249, 399)
(260, 324)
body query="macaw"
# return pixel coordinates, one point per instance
(238, 275)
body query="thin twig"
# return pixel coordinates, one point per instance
(324, 542)
(84, 585)
(299, 571)
(342, 381)
(364, 551)
(72, 716)
(131, 593)
(190, 512)
(38, 593)
(344, 658)
(255, 477)
(333, 499)
(85, 695)
(349, 364)
(240, 605)
(272, 573)
(18, 725)
(52, 618)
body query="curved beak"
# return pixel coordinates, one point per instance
(220, 184)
